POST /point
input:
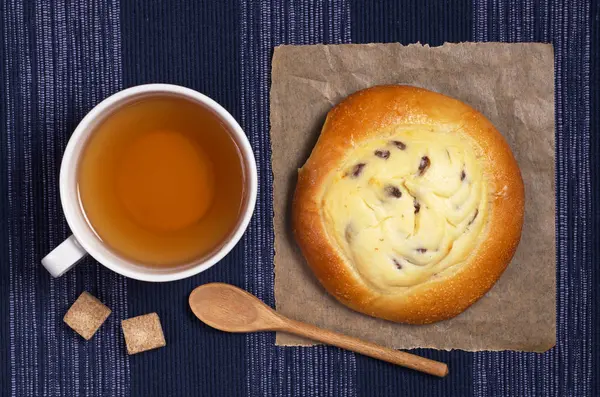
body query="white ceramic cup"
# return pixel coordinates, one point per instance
(84, 241)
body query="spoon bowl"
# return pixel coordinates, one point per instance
(231, 309)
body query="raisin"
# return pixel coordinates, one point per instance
(357, 170)
(393, 191)
(463, 175)
(474, 217)
(421, 250)
(399, 145)
(417, 206)
(424, 165)
(382, 154)
(397, 263)
(349, 233)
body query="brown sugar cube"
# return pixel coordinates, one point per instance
(143, 333)
(86, 315)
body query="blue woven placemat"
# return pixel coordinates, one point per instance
(59, 58)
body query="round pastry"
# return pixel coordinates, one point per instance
(410, 206)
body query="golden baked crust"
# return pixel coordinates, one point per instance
(410, 206)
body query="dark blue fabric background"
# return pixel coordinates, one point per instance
(59, 58)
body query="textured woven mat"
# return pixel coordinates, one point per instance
(59, 58)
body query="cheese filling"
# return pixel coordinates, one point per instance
(407, 207)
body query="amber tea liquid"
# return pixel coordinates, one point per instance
(161, 181)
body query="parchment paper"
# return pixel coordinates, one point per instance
(513, 85)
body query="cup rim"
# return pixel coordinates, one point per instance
(76, 217)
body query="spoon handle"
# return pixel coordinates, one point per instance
(366, 348)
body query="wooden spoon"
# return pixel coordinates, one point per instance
(231, 309)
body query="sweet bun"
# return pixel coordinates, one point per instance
(410, 206)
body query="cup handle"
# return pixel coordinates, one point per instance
(64, 257)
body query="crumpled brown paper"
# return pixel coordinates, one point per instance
(513, 85)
